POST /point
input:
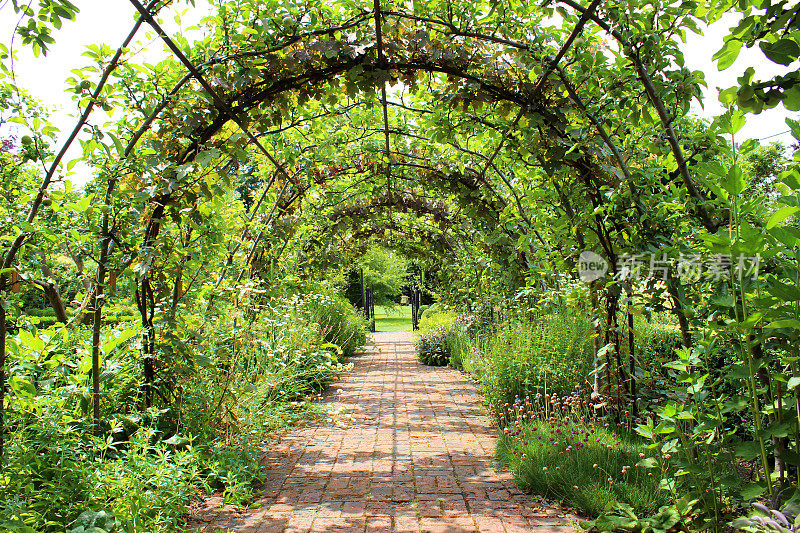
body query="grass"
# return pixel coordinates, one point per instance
(548, 353)
(396, 318)
(555, 450)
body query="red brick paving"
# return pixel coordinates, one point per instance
(415, 456)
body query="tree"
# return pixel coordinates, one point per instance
(764, 164)
(387, 271)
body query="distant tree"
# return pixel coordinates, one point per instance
(387, 271)
(765, 162)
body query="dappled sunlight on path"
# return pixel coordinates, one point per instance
(415, 454)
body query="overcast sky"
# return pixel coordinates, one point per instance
(698, 51)
(109, 21)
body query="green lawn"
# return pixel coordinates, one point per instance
(397, 318)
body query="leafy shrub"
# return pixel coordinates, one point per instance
(459, 344)
(436, 316)
(432, 347)
(37, 312)
(339, 322)
(234, 382)
(656, 339)
(58, 471)
(622, 518)
(234, 472)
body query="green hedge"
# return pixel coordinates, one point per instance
(436, 316)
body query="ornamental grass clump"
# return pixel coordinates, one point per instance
(559, 448)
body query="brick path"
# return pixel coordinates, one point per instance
(415, 456)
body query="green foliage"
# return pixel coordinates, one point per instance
(233, 471)
(500, 172)
(459, 346)
(432, 347)
(546, 461)
(145, 468)
(774, 30)
(264, 373)
(558, 447)
(436, 316)
(444, 339)
(656, 339)
(764, 163)
(621, 517)
(387, 272)
(338, 322)
(56, 471)
(545, 353)
(35, 26)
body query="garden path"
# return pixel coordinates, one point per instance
(415, 454)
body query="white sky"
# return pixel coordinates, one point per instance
(109, 21)
(698, 51)
(98, 22)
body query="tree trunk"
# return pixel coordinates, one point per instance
(54, 297)
(632, 360)
(607, 341)
(177, 291)
(97, 314)
(51, 291)
(596, 342)
(673, 288)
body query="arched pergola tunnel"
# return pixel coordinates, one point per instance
(516, 134)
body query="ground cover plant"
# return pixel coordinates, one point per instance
(435, 316)
(432, 347)
(559, 439)
(546, 353)
(584, 464)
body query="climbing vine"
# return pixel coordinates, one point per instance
(494, 142)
